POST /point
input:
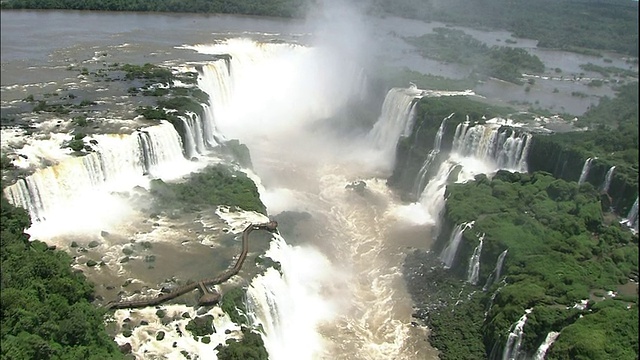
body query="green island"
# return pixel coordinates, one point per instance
(567, 24)
(501, 62)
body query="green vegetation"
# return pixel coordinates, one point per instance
(280, 8)
(566, 24)
(46, 306)
(251, 347)
(76, 143)
(215, 185)
(450, 45)
(613, 140)
(559, 250)
(609, 71)
(201, 325)
(394, 77)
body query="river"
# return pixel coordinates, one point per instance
(341, 294)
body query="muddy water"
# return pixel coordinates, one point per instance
(358, 233)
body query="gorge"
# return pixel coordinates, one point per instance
(467, 207)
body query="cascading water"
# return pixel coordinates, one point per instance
(396, 120)
(215, 80)
(279, 301)
(607, 180)
(495, 275)
(493, 298)
(339, 293)
(422, 174)
(493, 144)
(546, 344)
(481, 149)
(474, 263)
(632, 217)
(514, 340)
(585, 171)
(448, 254)
(119, 162)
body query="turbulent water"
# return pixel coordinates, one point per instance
(340, 294)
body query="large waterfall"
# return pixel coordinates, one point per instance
(424, 169)
(338, 293)
(119, 162)
(479, 149)
(514, 340)
(396, 120)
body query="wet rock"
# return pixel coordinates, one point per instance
(127, 251)
(357, 186)
(125, 348)
(91, 263)
(94, 244)
(160, 335)
(74, 244)
(104, 233)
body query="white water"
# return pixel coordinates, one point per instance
(474, 263)
(546, 344)
(448, 254)
(396, 120)
(607, 180)
(78, 193)
(422, 174)
(340, 294)
(514, 340)
(632, 217)
(479, 149)
(495, 275)
(585, 171)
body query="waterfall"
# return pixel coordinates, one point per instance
(493, 297)
(474, 263)
(495, 275)
(632, 217)
(546, 344)
(194, 134)
(422, 174)
(449, 253)
(585, 171)
(286, 303)
(481, 149)
(396, 120)
(494, 144)
(118, 163)
(514, 340)
(607, 180)
(215, 80)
